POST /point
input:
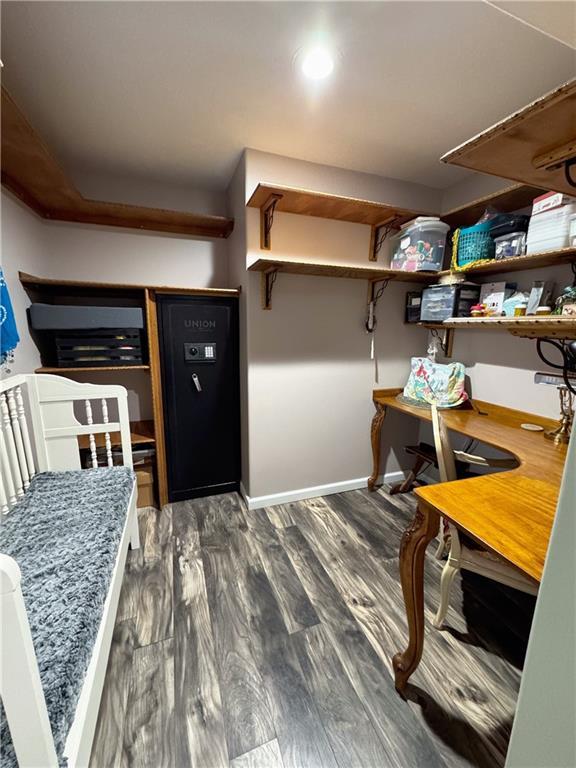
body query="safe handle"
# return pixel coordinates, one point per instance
(196, 382)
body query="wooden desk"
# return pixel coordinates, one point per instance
(509, 513)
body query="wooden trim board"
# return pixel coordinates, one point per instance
(157, 399)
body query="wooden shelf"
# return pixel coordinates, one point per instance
(141, 433)
(512, 198)
(532, 327)
(308, 203)
(340, 270)
(379, 216)
(519, 263)
(530, 146)
(31, 282)
(93, 369)
(31, 173)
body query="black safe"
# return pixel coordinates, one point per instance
(201, 393)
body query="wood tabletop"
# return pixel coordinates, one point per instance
(511, 512)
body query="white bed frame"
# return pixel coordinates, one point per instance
(39, 429)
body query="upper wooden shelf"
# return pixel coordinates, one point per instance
(31, 173)
(308, 203)
(340, 270)
(510, 199)
(519, 263)
(31, 282)
(532, 327)
(530, 146)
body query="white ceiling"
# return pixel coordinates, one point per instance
(173, 91)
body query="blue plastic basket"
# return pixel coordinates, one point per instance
(475, 243)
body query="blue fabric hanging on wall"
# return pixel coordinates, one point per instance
(9, 337)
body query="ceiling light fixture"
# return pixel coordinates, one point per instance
(317, 64)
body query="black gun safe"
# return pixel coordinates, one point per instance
(201, 392)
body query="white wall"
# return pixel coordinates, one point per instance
(310, 374)
(22, 250)
(87, 252)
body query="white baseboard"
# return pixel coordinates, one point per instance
(257, 502)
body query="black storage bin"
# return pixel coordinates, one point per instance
(440, 302)
(413, 306)
(506, 223)
(95, 337)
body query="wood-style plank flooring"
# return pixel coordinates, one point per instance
(263, 640)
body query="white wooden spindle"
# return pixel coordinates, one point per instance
(21, 454)
(4, 508)
(6, 471)
(91, 437)
(25, 433)
(11, 446)
(106, 420)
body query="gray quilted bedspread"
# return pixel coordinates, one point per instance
(64, 535)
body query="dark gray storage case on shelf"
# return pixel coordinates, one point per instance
(84, 336)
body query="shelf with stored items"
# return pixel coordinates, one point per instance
(551, 258)
(529, 327)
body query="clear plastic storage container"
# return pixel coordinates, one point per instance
(420, 245)
(440, 302)
(510, 245)
(550, 230)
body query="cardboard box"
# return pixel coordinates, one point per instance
(145, 485)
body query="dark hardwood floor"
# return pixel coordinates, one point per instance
(263, 640)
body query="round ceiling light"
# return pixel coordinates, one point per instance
(317, 64)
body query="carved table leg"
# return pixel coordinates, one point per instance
(375, 430)
(416, 538)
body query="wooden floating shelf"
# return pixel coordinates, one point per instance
(519, 263)
(46, 283)
(530, 146)
(141, 433)
(31, 173)
(340, 270)
(379, 216)
(532, 327)
(92, 369)
(308, 203)
(506, 201)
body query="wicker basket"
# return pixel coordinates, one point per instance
(475, 244)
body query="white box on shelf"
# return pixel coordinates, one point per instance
(494, 294)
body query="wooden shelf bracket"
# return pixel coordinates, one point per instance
(267, 280)
(378, 234)
(266, 221)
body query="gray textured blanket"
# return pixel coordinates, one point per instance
(64, 535)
